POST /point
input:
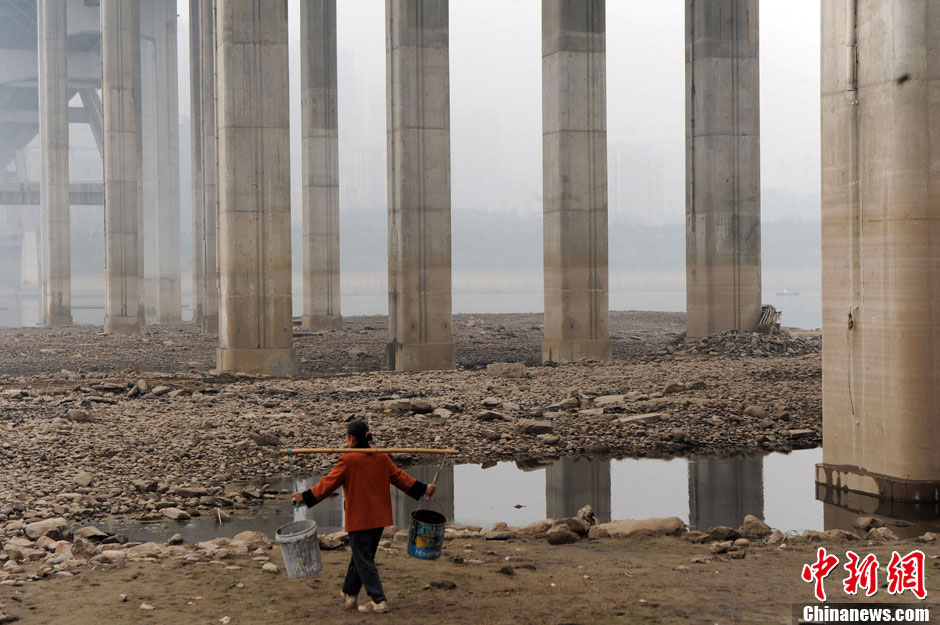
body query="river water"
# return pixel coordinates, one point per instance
(794, 291)
(703, 492)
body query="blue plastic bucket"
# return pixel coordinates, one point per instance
(300, 548)
(426, 536)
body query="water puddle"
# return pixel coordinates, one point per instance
(703, 492)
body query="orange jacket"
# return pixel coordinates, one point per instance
(365, 479)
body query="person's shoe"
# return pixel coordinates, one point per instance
(379, 608)
(349, 601)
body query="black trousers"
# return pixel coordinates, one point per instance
(362, 570)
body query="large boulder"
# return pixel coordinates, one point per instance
(83, 549)
(147, 550)
(56, 529)
(753, 527)
(175, 514)
(723, 532)
(587, 515)
(576, 525)
(536, 529)
(252, 540)
(336, 540)
(625, 528)
(561, 535)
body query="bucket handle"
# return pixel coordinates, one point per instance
(431, 500)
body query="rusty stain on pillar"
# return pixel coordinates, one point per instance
(255, 325)
(574, 174)
(419, 246)
(54, 141)
(320, 166)
(881, 248)
(120, 55)
(723, 271)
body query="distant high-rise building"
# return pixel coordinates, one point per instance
(635, 183)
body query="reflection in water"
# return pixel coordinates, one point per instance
(908, 520)
(403, 505)
(723, 490)
(572, 483)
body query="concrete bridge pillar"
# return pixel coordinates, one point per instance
(419, 249)
(320, 165)
(54, 140)
(723, 270)
(255, 326)
(169, 307)
(574, 140)
(210, 163)
(198, 197)
(120, 56)
(881, 248)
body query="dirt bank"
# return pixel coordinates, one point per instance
(643, 580)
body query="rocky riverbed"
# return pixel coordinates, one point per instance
(570, 570)
(168, 438)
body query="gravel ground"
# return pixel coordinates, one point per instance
(73, 443)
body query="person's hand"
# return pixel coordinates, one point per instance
(299, 497)
(432, 488)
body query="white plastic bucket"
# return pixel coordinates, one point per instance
(300, 548)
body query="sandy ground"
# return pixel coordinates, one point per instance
(605, 581)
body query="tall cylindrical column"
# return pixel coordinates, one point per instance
(168, 228)
(255, 326)
(320, 165)
(198, 197)
(54, 139)
(574, 174)
(723, 271)
(881, 249)
(209, 164)
(419, 269)
(120, 55)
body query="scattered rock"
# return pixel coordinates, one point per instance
(176, 539)
(92, 533)
(79, 416)
(561, 535)
(269, 567)
(531, 426)
(175, 514)
(56, 529)
(756, 412)
(668, 526)
(868, 522)
(753, 527)
(506, 370)
(84, 478)
(442, 584)
(723, 532)
(881, 534)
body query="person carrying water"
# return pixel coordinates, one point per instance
(365, 479)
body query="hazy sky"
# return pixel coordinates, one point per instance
(495, 70)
